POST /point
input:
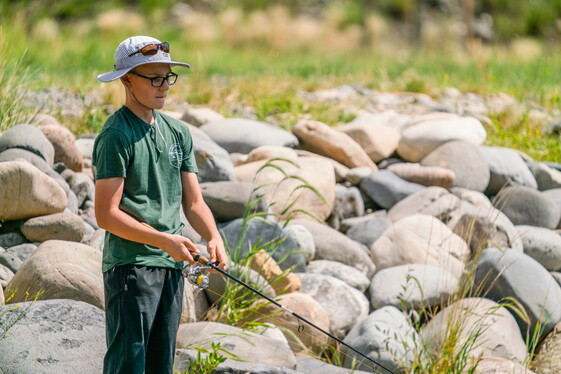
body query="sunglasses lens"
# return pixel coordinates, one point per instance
(165, 47)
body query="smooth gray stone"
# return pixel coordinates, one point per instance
(85, 144)
(507, 168)
(514, 274)
(213, 161)
(230, 366)
(335, 246)
(386, 188)
(465, 160)
(528, 206)
(15, 256)
(52, 336)
(345, 305)
(353, 277)
(368, 230)
(348, 203)
(384, 336)
(229, 200)
(30, 138)
(543, 245)
(272, 236)
(244, 135)
(306, 364)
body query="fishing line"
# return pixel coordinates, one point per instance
(205, 262)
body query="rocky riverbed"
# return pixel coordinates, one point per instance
(412, 203)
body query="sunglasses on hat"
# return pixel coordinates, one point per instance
(152, 49)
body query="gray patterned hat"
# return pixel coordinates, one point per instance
(128, 56)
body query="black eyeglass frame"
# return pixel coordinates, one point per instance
(171, 78)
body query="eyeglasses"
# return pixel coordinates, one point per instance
(152, 49)
(171, 78)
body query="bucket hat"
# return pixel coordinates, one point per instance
(127, 58)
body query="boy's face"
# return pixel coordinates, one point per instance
(152, 97)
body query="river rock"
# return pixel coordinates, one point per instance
(61, 270)
(346, 273)
(421, 139)
(527, 206)
(262, 263)
(30, 138)
(85, 144)
(543, 245)
(271, 236)
(465, 160)
(499, 365)
(243, 135)
(26, 192)
(386, 189)
(64, 144)
(386, 337)
(366, 229)
(282, 188)
(420, 239)
(306, 307)
(213, 161)
(379, 142)
(547, 359)
(547, 178)
(335, 246)
(319, 138)
(11, 239)
(15, 256)
(6, 276)
(61, 226)
(348, 203)
(424, 175)
(311, 365)
(268, 152)
(344, 305)
(519, 276)
(433, 201)
(200, 116)
(305, 240)
(236, 341)
(229, 200)
(485, 326)
(52, 336)
(507, 168)
(83, 186)
(415, 286)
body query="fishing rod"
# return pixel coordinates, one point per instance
(195, 276)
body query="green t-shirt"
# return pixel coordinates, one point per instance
(151, 159)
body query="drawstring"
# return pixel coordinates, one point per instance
(156, 134)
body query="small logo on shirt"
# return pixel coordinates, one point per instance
(175, 155)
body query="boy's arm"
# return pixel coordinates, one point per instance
(108, 193)
(201, 219)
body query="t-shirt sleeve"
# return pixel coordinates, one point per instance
(111, 154)
(189, 163)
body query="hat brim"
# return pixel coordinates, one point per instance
(116, 74)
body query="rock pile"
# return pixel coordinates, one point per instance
(418, 211)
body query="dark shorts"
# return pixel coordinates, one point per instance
(143, 311)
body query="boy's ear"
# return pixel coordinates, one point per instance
(126, 80)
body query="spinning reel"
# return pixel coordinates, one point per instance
(196, 276)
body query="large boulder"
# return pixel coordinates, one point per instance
(513, 274)
(420, 239)
(433, 201)
(26, 192)
(30, 138)
(420, 139)
(483, 328)
(344, 304)
(213, 161)
(319, 138)
(308, 182)
(353, 277)
(61, 270)
(236, 341)
(229, 200)
(543, 245)
(52, 336)
(243, 135)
